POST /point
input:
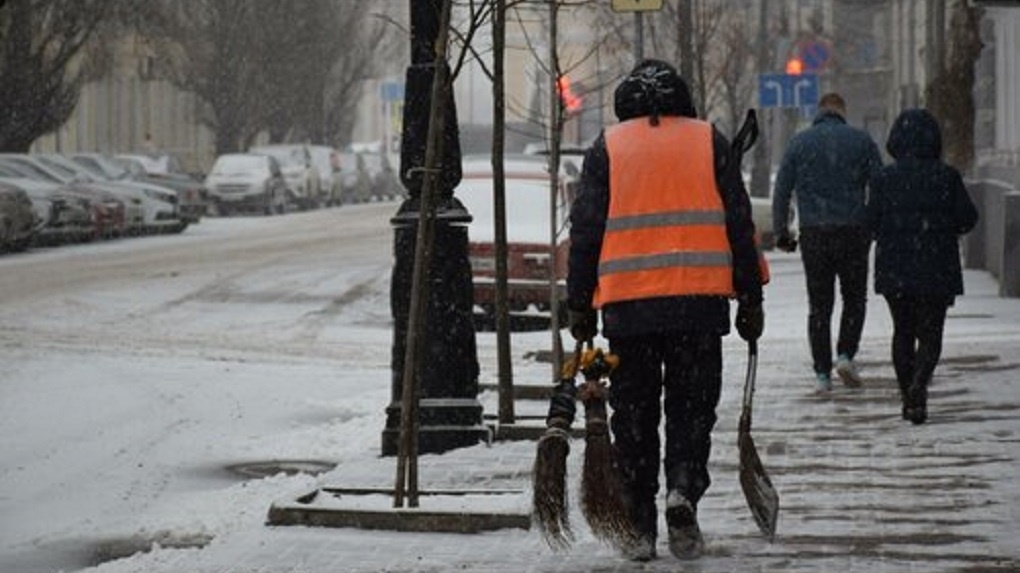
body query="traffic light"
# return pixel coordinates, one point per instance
(570, 101)
(794, 66)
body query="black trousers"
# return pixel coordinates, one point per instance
(828, 254)
(676, 374)
(918, 324)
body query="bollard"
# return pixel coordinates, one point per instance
(1009, 278)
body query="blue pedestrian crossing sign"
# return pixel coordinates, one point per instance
(391, 91)
(787, 90)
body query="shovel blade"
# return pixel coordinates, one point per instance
(762, 498)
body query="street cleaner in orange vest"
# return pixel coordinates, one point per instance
(661, 241)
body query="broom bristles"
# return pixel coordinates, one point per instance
(549, 489)
(601, 489)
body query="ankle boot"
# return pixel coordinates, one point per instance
(917, 403)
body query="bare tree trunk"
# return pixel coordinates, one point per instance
(504, 364)
(950, 95)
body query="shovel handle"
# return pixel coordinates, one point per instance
(752, 368)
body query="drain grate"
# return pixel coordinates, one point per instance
(262, 469)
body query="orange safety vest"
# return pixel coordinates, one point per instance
(666, 228)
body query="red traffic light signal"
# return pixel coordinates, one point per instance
(794, 66)
(571, 102)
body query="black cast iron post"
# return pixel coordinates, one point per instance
(449, 414)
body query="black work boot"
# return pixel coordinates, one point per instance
(685, 539)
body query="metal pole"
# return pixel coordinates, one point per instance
(762, 161)
(407, 460)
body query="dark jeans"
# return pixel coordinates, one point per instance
(831, 253)
(678, 374)
(918, 323)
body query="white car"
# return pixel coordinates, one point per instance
(327, 161)
(160, 205)
(133, 203)
(299, 172)
(240, 182)
(61, 215)
(761, 213)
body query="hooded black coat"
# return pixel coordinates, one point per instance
(917, 208)
(700, 314)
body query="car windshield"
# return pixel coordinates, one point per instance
(527, 210)
(26, 169)
(286, 156)
(112, 168)
(239, 165)
(66, 171)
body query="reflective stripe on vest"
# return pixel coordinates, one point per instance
(666, 227)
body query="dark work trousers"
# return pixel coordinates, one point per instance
(831, 253)
(918, 323)
(679, 374)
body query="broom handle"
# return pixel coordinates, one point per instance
(575, 364)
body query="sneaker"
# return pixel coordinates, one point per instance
(847, 371)
(823, 383)
(640, 550)
(685, 539)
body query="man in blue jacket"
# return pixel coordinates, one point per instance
(827, 168)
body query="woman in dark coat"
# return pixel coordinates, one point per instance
(917, 209)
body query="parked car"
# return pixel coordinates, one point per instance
(160, 213)
(327, 161)
(156, 163)
(62, 215)
(17, 218)
(299, 172)
(761, 213)
(191, 195)
(240, 182)
(531, 256)
(369, 176)
(79, 210)
(355, 179)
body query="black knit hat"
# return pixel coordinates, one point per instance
(653, 88)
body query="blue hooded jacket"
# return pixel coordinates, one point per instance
(827, 168)
(917, 209)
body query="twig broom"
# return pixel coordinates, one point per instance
(601, 489)
(549, 472)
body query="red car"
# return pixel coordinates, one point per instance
(531, 254)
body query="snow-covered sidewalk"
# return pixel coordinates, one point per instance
(861, 489)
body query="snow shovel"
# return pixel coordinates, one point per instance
(761, 496)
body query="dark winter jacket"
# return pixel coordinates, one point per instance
(706, 314)
(917, 209)
(827, 167)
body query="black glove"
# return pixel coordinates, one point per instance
(786, 243)
(584, 324)
(750, 321)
